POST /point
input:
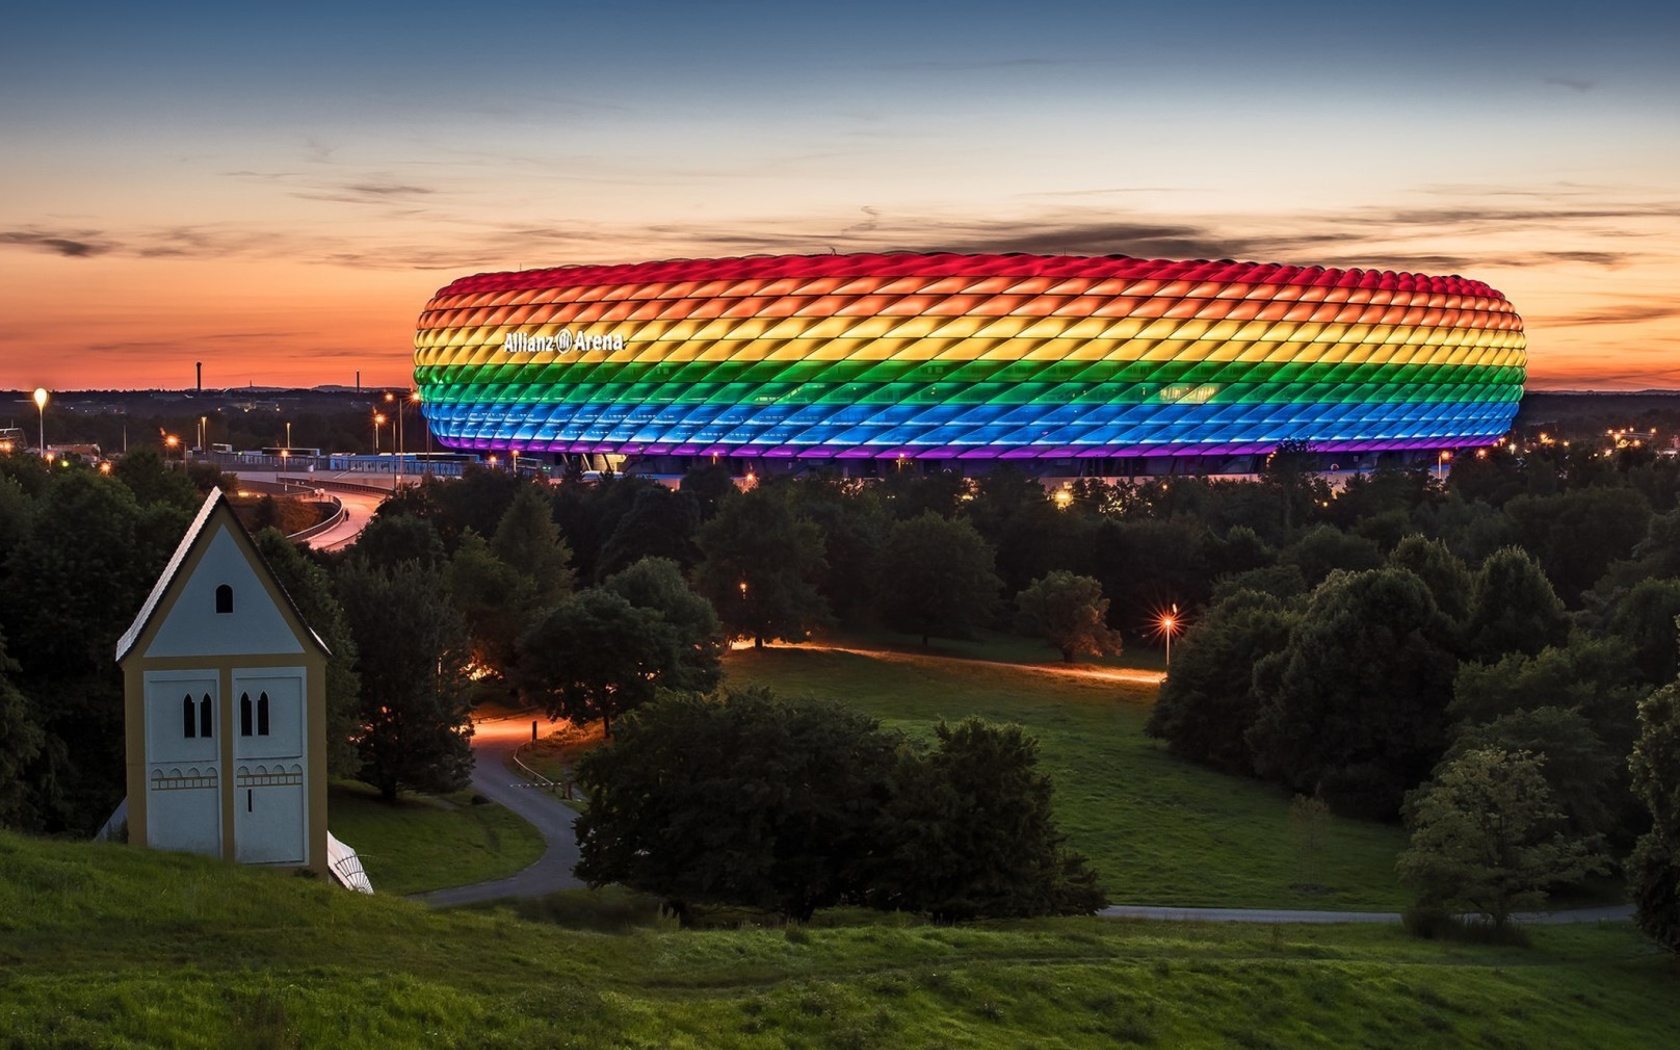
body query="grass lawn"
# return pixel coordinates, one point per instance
(425, 843)
(1161, 830)
(1144, 654)
(106, 945)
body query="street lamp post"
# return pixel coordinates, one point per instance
(414, 397)
(1169, 626)
(41, 407)
(378, 421)
(288, 435)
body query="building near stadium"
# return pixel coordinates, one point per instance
(1100, 363)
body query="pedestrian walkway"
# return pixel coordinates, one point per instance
(493, 777)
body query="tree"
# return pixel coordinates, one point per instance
(759, 563)
(1654, 868)
(745, 799)
(411, 655)
(972, 833)
(1445, 575)
(1210, 700)
(936, 576)
(495, 602)
(1355, 709)
(1582, 773)
(595, 657)
(1070, 613)
(391, 539)
(147, 476)
(659, 524)
(20, 741)
(528, 540)
(1483, 837)
(1513, 608)
(795, 805)
(68, 589)
(1646, 617)
(657, 584)
(311, 591)
(1323, 549)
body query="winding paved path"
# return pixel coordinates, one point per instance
(493, 745)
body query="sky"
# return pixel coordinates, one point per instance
(277, 190)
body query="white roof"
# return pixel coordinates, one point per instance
(176, 560)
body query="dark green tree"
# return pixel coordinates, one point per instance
(310, 589)
(391, 539)
(759, 563)
(659, 524)
(20, 741)
(657, 584)
(1485, 836)
(1440, 570)
(1210, 700)
(744, 799)
(853, 524)
(1654, 868)
(152, 481)
(495, 601)
(936, 577)
(411, 655)
(1355, 713)
(1586, 778)
(1645, 617)
(595, 657)
(1513, 608)
(68, 589)
(1323, 549)
(1070, 613)
(528, 540)
(972, 833)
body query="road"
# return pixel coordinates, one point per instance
(359, 508)
(493, 745)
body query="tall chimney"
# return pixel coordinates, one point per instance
(358, 380)
(198, 366)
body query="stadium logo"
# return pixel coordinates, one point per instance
(563, 342)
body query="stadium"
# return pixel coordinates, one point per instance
(1096, 365)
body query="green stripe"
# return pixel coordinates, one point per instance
(1105, 381)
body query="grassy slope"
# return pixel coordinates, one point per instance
(424, 843)
(1162, 831)
(108, 946)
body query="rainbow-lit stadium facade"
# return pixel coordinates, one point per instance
(953, 357)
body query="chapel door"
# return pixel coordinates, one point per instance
(270, 803)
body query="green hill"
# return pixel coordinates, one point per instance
(111, 946)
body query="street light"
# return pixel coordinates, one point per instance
(415, 399)
(391, 398)
(41, 407)
(1168, 625)
(378, 421)
(170, 441)
(288, 435)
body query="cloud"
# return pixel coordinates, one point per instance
(367, 192)
(1626, 312)
(72, 244)
(1578, 86)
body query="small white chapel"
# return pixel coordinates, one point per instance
(225, 707)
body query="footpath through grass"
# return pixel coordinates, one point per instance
(109, 946)
(428, 843)
(1161, 830)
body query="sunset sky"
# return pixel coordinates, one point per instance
(277, 195)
